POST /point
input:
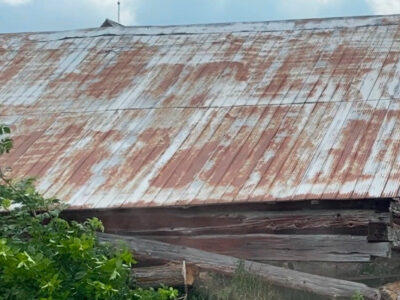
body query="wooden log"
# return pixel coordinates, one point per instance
(391, 291)
(394, 230)
(323, 286)
(169, 275)
(378, 232)
(394, 233)
(379, 228)
(309, 221)
(270, 247)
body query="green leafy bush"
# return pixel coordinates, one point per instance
(357, 296)
(5, 141)
(43, 256)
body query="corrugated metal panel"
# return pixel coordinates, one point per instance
(188, 115)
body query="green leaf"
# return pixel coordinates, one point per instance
(6, 203)
(6, 129)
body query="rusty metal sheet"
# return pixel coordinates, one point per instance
(206, 114)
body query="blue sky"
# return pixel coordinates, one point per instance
(50, 15)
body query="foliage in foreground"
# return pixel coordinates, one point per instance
(357, 296)
(42, 256)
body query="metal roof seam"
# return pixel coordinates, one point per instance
(180, 107)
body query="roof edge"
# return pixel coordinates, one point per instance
(267, 26)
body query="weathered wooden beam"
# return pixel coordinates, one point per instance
(169, 275)
(394, 230)
(324, 286)
(269, 247)
(208, 221)
(379, 228)
(378, 232)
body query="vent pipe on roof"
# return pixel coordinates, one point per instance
(119, 10)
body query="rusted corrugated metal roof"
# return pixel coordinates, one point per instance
(185, 115)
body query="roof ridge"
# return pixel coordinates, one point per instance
(266, 26)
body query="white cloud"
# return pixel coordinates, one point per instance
(384, 7)
(306, 8)
(110, 9)
(324, 1)
(15, 2)
(107, 8)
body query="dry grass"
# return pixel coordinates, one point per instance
(244, 286)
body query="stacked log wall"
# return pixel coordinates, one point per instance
(320, 231)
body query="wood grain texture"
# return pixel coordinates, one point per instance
(156, 276)
(264, 247)
(235, 220)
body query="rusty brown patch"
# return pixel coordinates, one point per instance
(198, 100)
(347, 60)
(152, 142)
(86, 159)
(210, 70)
(169, 75)
(184, 166)
(113, 80)
(23, 57)
(392, 58)
(154, 136)
(290, 65)
(2, 50)
(169, 100)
